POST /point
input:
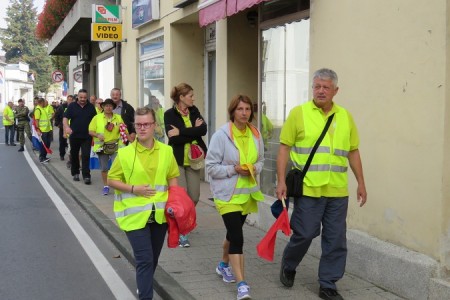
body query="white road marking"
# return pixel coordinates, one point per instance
(118, 288)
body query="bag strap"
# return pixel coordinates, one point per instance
(316, 145)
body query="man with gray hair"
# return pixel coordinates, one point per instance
(324, 201)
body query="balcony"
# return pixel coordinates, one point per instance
(75, 28)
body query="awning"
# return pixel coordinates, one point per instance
(224, 8)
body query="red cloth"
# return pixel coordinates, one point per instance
(266, 247)
(180, 214)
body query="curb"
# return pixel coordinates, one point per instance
(164, 284)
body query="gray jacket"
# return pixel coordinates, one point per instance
(222, 156)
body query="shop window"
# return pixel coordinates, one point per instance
(151, 85)
(284, 84)
(105, 77)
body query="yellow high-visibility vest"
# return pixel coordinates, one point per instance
(100, 129)
(246, 186)
(44, 120)
(10, 113)
(329, 165)
(132, 211)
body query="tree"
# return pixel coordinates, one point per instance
(20, 44)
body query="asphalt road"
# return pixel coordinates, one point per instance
(49, 247)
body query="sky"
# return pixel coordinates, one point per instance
(5, 3)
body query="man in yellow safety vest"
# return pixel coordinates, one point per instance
(325, 189)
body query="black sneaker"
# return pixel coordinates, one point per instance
(76, 177)
(13, 144)
(21, 149)
(329, 294)
(287, 277)
(87, 180)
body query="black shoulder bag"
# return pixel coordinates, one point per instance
(294, 178)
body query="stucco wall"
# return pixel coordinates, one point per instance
(390, 58)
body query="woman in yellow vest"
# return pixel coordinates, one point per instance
(234, 159)
(141, 175)
(104, 128)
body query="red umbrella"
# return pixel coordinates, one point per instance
(266, 247)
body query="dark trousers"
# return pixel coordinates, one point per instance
(308, 216)
(62, 143)
(85, 146)
(46, 140)
(147, 244)
(9, 134)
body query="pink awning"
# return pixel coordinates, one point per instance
(223, 9)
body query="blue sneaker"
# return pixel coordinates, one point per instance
(224, 270)
(243, 291)
(183, 242)
(105, 190)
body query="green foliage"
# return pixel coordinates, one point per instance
(20, 44)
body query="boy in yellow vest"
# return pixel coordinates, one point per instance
(141, 175)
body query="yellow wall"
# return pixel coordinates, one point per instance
(243, 57)
(391, 62)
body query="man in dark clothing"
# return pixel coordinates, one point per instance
(80, 114)
(125, 110)
(59, 115)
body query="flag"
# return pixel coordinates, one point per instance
(35, 137)
(266, 247)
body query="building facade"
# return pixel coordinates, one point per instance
(394, 78)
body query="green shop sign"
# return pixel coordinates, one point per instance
(106, 14)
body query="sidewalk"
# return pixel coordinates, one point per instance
(189, 273)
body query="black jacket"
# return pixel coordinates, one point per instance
(187, 135)
(127, 115)
(59, 114)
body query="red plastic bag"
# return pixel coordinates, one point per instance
(196, 151)
(180, 214)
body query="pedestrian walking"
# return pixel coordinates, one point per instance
(23, 123)
(323, 205)
(125, 110)
(141, 175)
(104, 128)
(234, 159)
(76, 123)
(8, 122)
(59, 115)
(43, 127)
(184, 126)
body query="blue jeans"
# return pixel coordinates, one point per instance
(9, 132)
(147, 244)
(306, 220)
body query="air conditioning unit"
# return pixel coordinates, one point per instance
(84, 53)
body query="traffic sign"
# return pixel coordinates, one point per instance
(106, 14)
(106, 32)
(57, 76)
(78, 76)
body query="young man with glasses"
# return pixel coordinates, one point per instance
(141, 175)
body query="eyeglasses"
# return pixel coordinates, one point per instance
(324, 87)
(143, 125)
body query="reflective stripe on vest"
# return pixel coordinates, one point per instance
(44, 122)
(123, 196)
(329, 165)
(132, 211)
